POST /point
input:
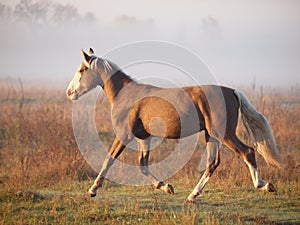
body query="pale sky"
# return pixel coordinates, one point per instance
(238, 39)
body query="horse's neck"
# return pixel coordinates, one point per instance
(115, 84)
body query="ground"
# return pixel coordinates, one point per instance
(119, 204)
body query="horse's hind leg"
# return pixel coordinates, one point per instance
(144, 150)
(212, 162)
(116, 149)
(248, 156)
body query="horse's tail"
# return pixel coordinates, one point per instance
(260, 131)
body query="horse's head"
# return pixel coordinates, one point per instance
(86, 77)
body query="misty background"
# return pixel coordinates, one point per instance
(242, 41)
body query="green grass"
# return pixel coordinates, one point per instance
(119, 204)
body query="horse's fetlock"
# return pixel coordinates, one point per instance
(92, 192)
(159, 184)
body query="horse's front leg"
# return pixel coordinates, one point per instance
(143, 147)
(116, 149)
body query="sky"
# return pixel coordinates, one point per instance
(240, 40)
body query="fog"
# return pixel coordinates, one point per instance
(241, 41)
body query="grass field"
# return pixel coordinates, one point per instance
(44, 179)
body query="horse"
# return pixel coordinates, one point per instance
(131, 119)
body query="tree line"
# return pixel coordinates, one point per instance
(43, 12)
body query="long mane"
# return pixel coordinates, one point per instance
(115, 71)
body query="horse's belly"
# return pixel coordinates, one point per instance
(174, 118)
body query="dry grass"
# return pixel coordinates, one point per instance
(38, 152)
(36, 139)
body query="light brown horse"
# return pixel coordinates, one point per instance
(183, 112)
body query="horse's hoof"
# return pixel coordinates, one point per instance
(92, 193)
(270, 187)
(169, 189)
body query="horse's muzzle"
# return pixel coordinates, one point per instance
(72, 95)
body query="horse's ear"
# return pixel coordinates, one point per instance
(91, 52)
(86, 58)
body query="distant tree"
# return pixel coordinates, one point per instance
(65, 14)
(89, 17)
(32, 11)
(126, 20)
(44, 11)
(5, 13)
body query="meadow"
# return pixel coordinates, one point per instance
(44, 179)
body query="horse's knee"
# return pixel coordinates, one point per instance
(212, 168)
(213, 165)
